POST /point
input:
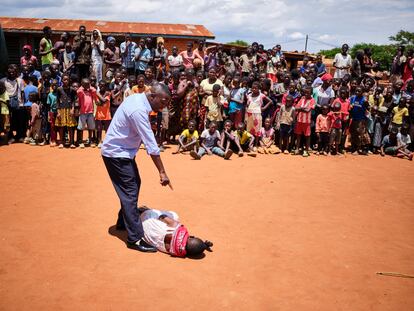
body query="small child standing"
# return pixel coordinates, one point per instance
(336, 118)
(86, 96)
(303, 120)
(284, 123)
(210, 144)
(4, 111)
(267, 139)
(400, 113)
(35, 131)
(103, 111)
(214, 104)
(236, 105)
(52, 111)
(188, 139)
(65, 112)
(322, 128)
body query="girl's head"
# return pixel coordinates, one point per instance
(241, 127)
(227, 125)
(117, 78)
(191, 126)
(359, 91)
(227, 79)
(337, 107)
(102, 86)
(354, 83)
(403, 102)
(12, 71)
(216, 90)
(307, 92)
(212, 74)
(292, 88)
(212, 127)
(75, 86)
(200, 76)
(149, 74)
(398, 86)
(343, 93)
(379, 90)
(141, 81)
(236, 83)
(195, 247)
(255, 88)
(65, 79)
(267, 123)
(54, 85)
(289, 101)
(93, 80)
(132, 81)
(325, 109)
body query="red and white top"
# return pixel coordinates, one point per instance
(305, 117)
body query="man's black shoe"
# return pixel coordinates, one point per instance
(142, 246)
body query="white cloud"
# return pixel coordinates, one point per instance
(266, 21)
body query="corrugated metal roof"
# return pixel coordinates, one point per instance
(106, 27)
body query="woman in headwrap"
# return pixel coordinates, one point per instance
(111, 55)
(98, 47)
(28, 56)
(163, 230)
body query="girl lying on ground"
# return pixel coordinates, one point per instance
(163, 230)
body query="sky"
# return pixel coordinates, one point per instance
(287, 22)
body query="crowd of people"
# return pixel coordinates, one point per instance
(222, 103)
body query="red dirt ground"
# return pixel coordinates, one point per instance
(289, 233)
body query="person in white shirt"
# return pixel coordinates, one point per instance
(163, 230)
(98, 47)
(342, 62)
(175, 61)
(129, 128)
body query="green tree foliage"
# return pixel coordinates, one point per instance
(238, 42)
(403, 38)
(330, 53)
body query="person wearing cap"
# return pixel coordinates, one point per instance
(163, 230)
(160, 57)
(28, 56)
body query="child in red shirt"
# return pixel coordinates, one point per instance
(303, 120)
(103, 112)
(322, 130)
(343, 100)
(86, 97)
(335, 119)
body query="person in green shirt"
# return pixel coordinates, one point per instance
(46, 48)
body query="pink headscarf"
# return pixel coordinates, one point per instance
(27, 47)
(179, 241)
(326, 77)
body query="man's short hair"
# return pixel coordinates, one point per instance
(161, 88)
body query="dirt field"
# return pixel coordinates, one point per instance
(289, 233)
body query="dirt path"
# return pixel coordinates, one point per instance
(289, 234)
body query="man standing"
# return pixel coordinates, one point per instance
(46, 48)
(83, 49)
(127, 51)
(142, 57)
(342, 62)
(129, 128)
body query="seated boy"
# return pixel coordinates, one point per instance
(188, 138)
(163, 230)
(244, 140)
(210, 143)
(393, 145)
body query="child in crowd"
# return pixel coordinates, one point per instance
(210, 144)
(51, 102)
(244, 141)
(336, 118)
(65, 112)
(228, 139)
(86, 96)
(103, 112)
(303, 120)
(256, 103)
(214, 104)
(236, 105)
(393, 145)
(34, 132)
(4, 111)
(188, 139)
(132, 81)
(358, 112)
(343, 101)
(267, 139)
(140, 87)
(117, 94)
(284, 123)
(376, 99)
(400, 113)
(379, 125)
(322, 128)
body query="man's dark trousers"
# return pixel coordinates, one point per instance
(125, 178)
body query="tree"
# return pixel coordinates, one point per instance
(383, 54)
(403, 38)
(330, 53)
(239, 43)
